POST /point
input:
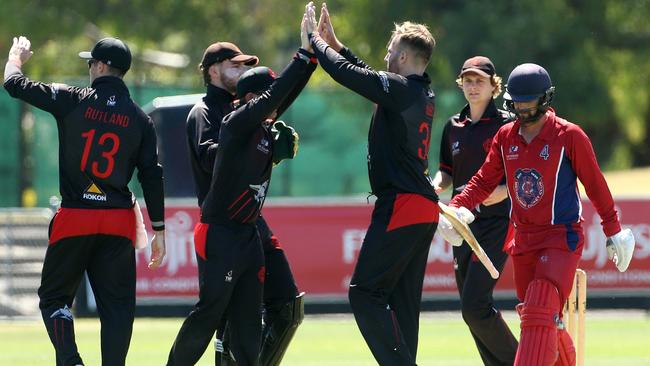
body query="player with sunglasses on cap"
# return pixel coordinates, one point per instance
(103, 137)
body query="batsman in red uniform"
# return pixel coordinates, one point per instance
(541, 156)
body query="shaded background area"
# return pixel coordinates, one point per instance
(596, 52)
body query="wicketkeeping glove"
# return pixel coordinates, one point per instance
(285, 145)
(620, 248)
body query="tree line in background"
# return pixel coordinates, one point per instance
(596, 51)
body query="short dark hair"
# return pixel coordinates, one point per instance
(115, 71)
(415, 36)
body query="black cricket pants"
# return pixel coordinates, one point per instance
(110, 264)
(386, 287)
(279, 285)
(231, 277)
(495, 342)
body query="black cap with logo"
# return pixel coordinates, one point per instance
(479, 65)
(112, 52)
(255, 80)
(221, 51)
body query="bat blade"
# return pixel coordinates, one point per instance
(469, 237)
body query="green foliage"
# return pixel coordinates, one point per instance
(596, 52)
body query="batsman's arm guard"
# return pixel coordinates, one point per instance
(279, 329)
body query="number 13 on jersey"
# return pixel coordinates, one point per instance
(109, 144)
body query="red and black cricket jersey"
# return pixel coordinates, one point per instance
(464, 146)
(243, 161)
(541, 177)
(400, 130)
(204, 123)
(103, 137)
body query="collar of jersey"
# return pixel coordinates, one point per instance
(489, 113)
(112, 81)
(218, 94)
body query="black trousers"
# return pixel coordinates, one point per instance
(386, 288)
(231, 280)
(279, 285)
(110, 264)
(495, 342)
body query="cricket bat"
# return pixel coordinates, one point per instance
(466, 233)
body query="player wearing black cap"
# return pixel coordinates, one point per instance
(221, 66)
(386, 287)
(229, 250)
(465, 142)
(103, 137)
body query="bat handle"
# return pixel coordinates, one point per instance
(494, 273)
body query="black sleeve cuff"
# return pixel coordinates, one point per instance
(306, 56)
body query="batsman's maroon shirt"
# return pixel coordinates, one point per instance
(542, 182)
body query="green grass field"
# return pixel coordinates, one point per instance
(613, 338)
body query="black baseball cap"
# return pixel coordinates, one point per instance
(255, 80)
(480, 65)
(112, 52)
(221, 51)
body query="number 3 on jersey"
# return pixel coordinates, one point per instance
(425, 132)
(107, 154)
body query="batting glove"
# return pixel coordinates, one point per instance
(285, 144)
(463, 214)
(620, 248)
(446, 229)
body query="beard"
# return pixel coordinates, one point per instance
(229, 78)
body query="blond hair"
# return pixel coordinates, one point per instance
(494, 80)
(415, 36)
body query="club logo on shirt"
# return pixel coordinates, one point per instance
(111, 102)
(263, 146)
(260, 190)
(93, 193)
(544, 153)
(229, 276)
(529, 187)
(455, 148)
(513, 152)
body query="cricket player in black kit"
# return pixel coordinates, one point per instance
(386, 288)
(103, 137)
(229, 250)
(466, 140)
(221, 66)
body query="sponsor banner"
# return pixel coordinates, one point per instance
(322, 243)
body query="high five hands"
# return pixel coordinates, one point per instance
(326, 30)
(322, 29)
(307, 26)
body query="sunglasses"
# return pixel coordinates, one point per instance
(91, 62)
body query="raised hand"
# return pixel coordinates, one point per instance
(310, 13)
(304, 33)
(326, 30)
(20, 51)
